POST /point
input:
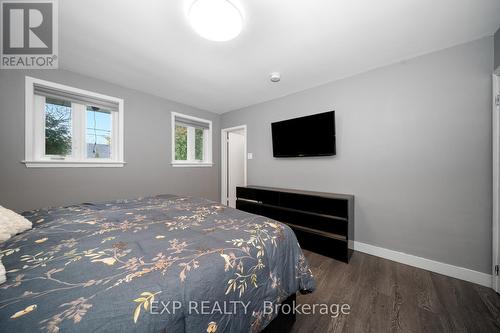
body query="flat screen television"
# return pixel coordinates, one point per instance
(305, 136)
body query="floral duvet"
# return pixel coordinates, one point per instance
(157, 264)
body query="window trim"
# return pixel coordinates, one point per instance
(32, 156)
(207, 143)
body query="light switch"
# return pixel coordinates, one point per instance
(250, 156)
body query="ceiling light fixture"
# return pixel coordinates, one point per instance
(275, 77)
(215, 20)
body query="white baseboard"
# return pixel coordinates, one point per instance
(427, 264)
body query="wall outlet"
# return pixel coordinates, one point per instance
(250, 156)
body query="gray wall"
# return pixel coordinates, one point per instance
(414, 147)
(147, 151)
(497, 49)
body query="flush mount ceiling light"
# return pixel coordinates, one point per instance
(216, 20)
(275, 77)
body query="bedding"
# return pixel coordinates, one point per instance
(163, 263)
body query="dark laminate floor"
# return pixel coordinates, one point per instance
(389, 297)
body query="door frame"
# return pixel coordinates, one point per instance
(495, 281)
(223, 153)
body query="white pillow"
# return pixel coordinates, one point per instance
(6, 224)
(3, 276)
(12, 223)
(4, 234)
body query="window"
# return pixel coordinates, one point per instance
(70, 127)
(98, 132)
(191, 141)
(58, 129)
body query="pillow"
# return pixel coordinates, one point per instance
(5, 227)
(3, 276)
(4, 234)
(12, 223)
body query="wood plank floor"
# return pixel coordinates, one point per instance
(386, 296)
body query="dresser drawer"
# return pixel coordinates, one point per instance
(314, 221)
(267, 197)
(315, 204)
(333, 248)
(249, 206)
(303, 219)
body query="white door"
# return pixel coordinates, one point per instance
(235, 164)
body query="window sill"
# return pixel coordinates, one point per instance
(73, 164)
(191, 164)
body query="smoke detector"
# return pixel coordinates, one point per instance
(275, 77)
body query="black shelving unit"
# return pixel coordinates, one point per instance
(322, 222)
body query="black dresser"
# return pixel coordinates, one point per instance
(322, 222)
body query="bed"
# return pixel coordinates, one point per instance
(156, 264)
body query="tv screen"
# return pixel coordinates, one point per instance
(305, 136)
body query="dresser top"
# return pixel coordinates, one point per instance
(314, 193)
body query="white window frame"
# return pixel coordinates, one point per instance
(35, 131)
(207, 143)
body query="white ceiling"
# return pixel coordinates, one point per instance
(148, 45)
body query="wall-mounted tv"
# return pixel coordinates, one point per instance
(305, 136)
